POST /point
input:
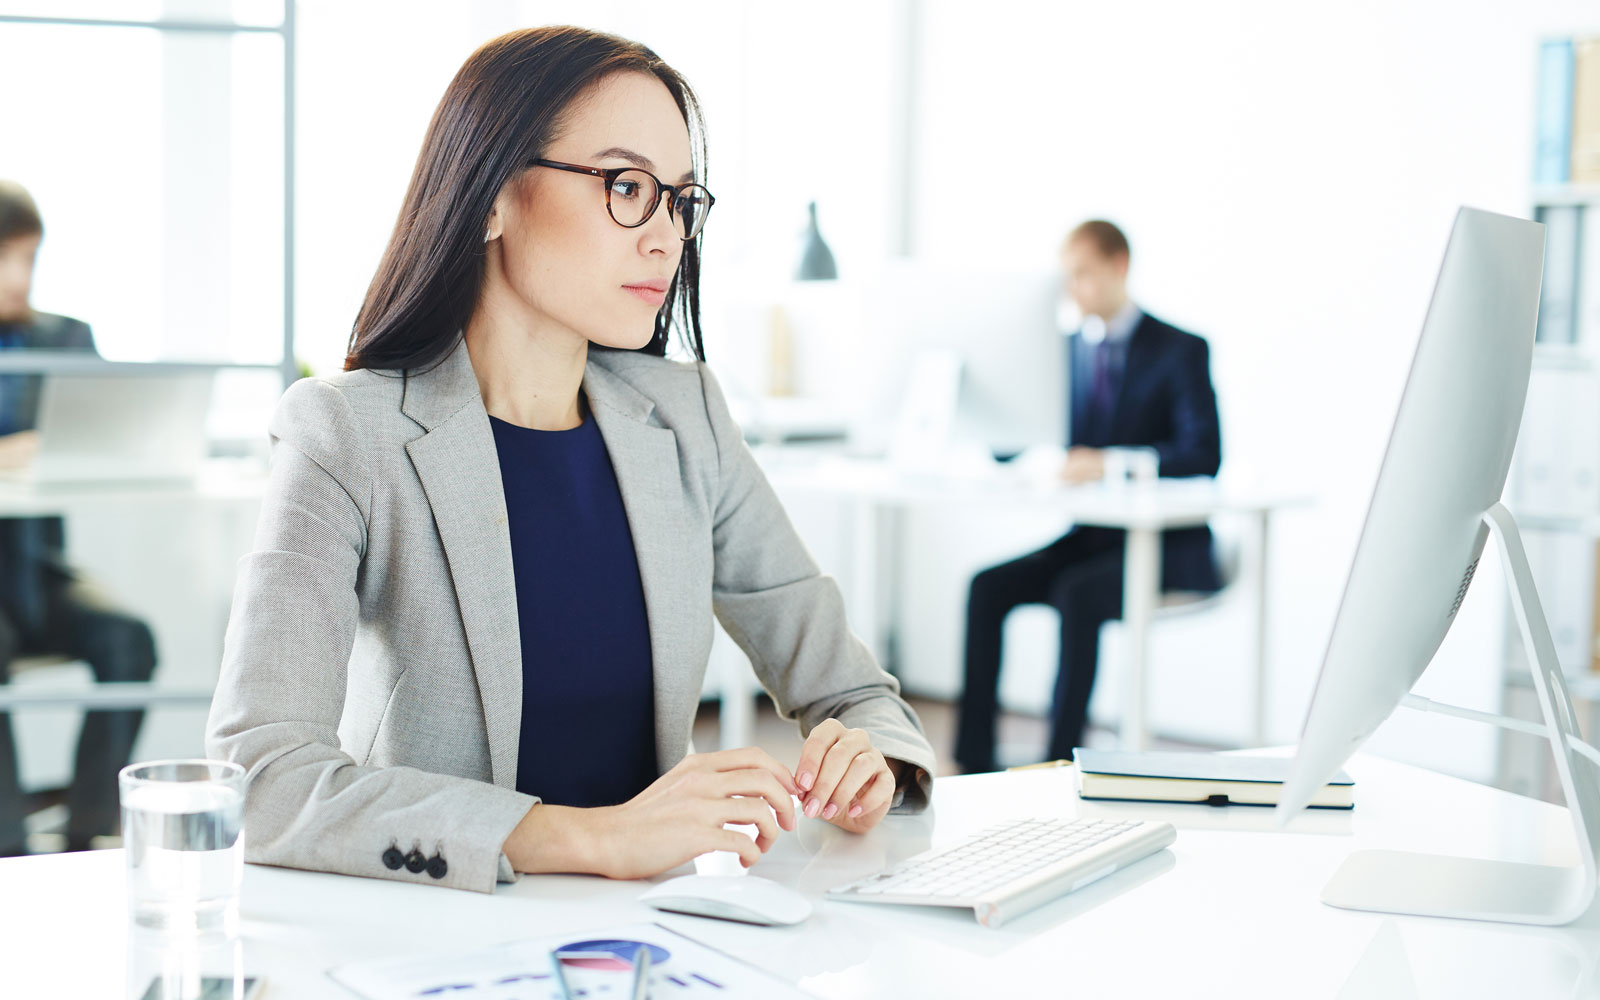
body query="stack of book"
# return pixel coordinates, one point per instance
(1569, 112)
(1205, 778)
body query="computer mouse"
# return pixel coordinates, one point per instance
(744, 898)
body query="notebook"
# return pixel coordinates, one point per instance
(1206, 778)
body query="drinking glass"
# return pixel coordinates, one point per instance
(181, 832)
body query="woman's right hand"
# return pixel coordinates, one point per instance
(677, 818)
(680, 816)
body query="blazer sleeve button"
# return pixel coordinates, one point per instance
(437, 867)
(393, 859)
(415, 862)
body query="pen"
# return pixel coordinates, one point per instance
(561, 976)
(641, 969)
(641, 973)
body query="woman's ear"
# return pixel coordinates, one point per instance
(491, 229)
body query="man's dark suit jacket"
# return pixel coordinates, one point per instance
(31, 549)
(1165, 401)
(19, 406)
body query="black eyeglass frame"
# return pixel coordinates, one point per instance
(610, 175)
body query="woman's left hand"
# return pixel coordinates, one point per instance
(843, 778)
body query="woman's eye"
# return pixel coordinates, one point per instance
(625, 189)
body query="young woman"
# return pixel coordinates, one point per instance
(471, 638)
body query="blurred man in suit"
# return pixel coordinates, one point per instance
(1136, 382)
(44, 607)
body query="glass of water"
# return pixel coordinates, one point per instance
(181, 832)
(1124, 466)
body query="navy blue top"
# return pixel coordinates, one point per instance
(588, 695)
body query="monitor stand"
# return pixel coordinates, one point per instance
(1474, 889)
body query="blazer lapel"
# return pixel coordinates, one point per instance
(1079, 368)
(645, 457)
(459, 468)
(1134, 367)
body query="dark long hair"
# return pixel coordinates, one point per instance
(498, 114)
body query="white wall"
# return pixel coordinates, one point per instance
(783, 96)
(160, 193)
(1287, 174)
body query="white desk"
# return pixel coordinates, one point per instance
(221, 481)
(1230, 910)
(229, 486)
(1144, 511)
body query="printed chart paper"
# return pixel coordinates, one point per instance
(680, 969)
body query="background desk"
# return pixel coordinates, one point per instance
(878, 491)
(221, 481)
(1230, 910)
(167, 553)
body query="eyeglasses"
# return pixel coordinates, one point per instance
(632, 196)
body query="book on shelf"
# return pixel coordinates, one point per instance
(1594, 610)
(1557, 301)
(1200, 778)
(1586, 300)
(1586, 112)
(1552, 149)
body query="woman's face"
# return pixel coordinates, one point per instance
(560, 251)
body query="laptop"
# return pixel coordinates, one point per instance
(119, 428)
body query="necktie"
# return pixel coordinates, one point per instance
(1100, 394)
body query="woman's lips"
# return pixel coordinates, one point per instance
(654, 296)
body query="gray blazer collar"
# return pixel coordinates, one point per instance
(436, 394)
(459, 468)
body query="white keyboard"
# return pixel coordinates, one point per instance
(1009, 869)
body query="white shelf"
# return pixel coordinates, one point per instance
(1584, 687)
(1564, 356)
(1565, 194)
(1587, 525)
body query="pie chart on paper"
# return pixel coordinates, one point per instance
(610, 954)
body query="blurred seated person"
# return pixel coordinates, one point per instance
(1135, 382)
(45, 609)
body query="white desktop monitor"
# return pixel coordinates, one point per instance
(122, 423)
(1435, 505)
(1000, 325)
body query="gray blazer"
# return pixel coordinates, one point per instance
(372, 673)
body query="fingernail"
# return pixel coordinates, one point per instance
(855, 810)
(829, 812)
(806, 780)
(812, 806)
